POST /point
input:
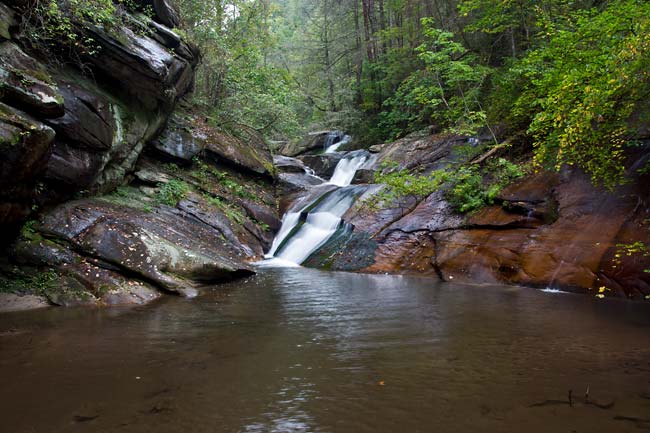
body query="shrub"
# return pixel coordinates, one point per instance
(172, 192)
(467, 187)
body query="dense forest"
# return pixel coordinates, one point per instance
(568, 79)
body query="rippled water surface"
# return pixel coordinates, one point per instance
(299, 350)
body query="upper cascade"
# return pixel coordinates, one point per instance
(335, 140)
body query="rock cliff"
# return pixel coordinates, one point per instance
(110, 193)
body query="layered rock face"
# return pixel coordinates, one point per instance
(313, 142)
(69, 132)
(199, 203)
(548, 230)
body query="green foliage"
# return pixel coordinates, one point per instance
(204, 172)
(238, 82)
(401, 183)
(584, 85)
(445, 92)
(467, 187)
(265, 227)
(121, 191)
(472, 188)
(28, 230)
(40, 283)
(233, 213)
(61, 24)
(171, 167)
(172, 192)
(238, 189)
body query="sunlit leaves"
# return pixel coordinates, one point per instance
(585, 83)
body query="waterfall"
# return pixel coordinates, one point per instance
(289, 221)
(332, 146)
(320, 223)
(347, 168)
(308, 227)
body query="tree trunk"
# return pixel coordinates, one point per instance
(368, 25)
(358, 55)
(325, 37)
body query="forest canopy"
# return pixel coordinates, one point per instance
(569, 78)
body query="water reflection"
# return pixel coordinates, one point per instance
(295, 350)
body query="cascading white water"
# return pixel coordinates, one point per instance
(294, 243)
(331, 148)
(289, 221)
(346, 169)
(321, 223)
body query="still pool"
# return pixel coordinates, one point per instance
(301, 350)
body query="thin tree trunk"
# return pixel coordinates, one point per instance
(358, 55)
(326, 51)
(382, 24)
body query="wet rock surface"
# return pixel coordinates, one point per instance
(251, 154)
(324, 164)
(101, 121)
(177, 140)
(25, 146)
(286, 164)
(132, 254)
(141, 67)
(10, 302)
(294, 182)
(25, 83)
(547, 230)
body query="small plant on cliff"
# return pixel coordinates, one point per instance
(474, 187)
(402, 183)
(171, 167)
(172, 192)
(58, 25)
(232, 213)
(28, 230)
(203, 172)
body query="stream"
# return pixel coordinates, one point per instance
(302, 350)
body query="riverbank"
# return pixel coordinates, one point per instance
(547, 230)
